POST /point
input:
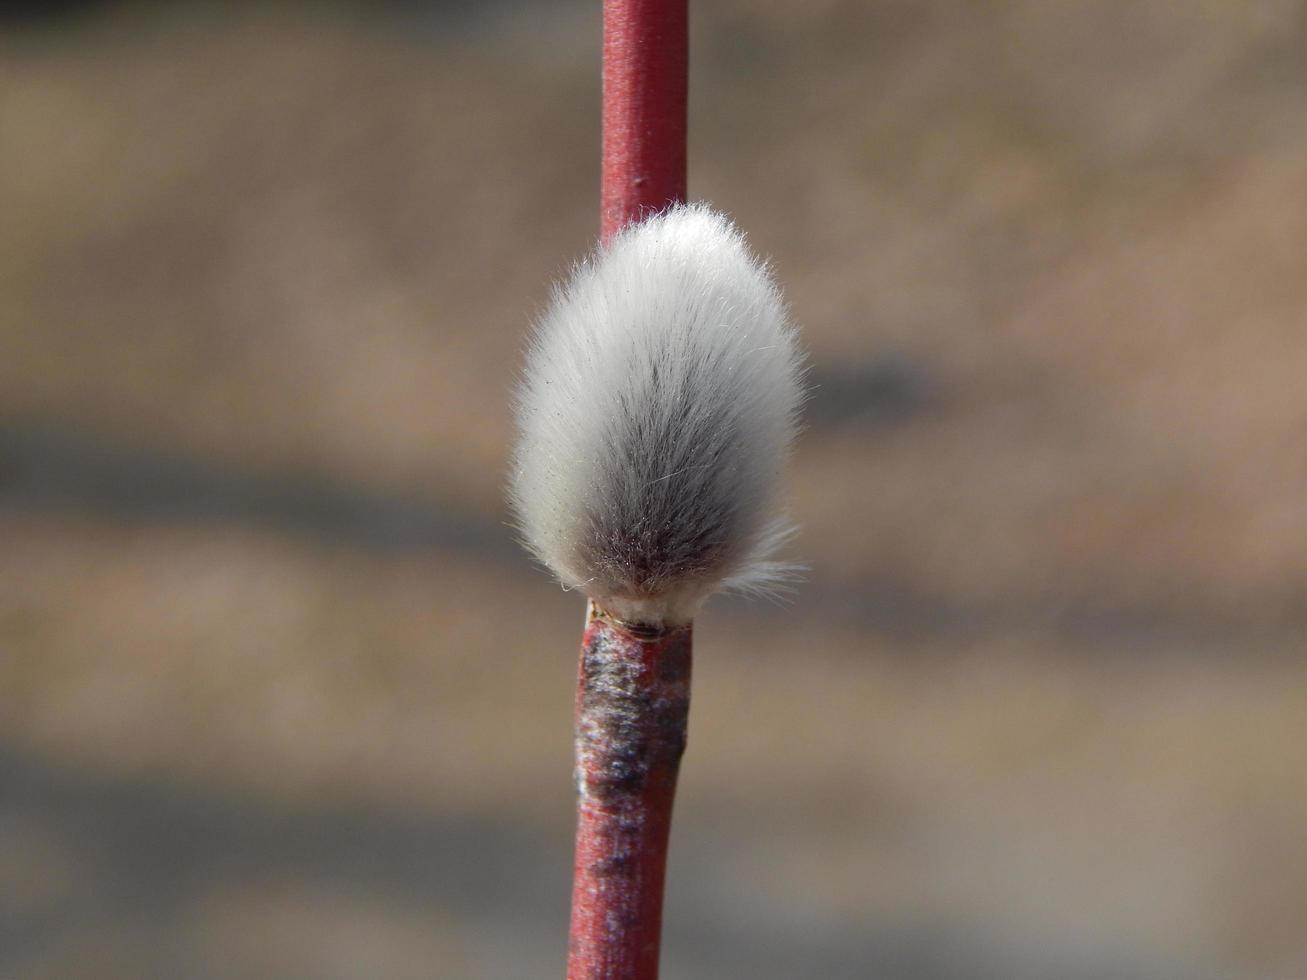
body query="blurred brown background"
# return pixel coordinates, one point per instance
(281, 698)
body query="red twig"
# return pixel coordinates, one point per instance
(633, 690)
(646, 58)
(632, 702)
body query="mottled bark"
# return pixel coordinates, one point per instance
(633, 700)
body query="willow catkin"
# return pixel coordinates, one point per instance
(656, 411)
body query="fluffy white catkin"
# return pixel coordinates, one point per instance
(657, 408)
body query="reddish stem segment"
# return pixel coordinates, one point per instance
(646, 58)
(633, 690)
(632, 703)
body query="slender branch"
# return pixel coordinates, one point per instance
(646, 58)
(632, 704)
(633, 689)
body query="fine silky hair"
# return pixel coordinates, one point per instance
(656, 410)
